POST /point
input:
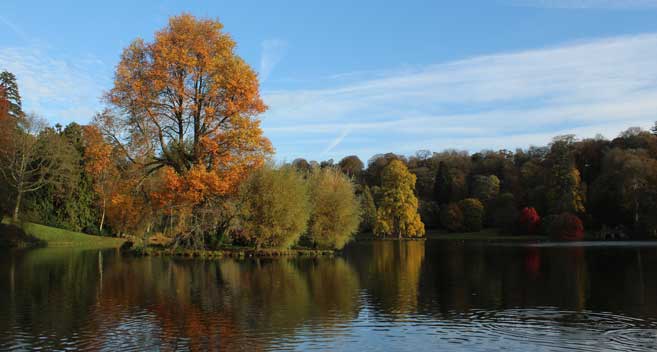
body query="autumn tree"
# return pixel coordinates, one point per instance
(335, 210)
(451, 217)
(566, 227)
(98, 157)
(351, 165)
(184, 107)
(529, 221)
(302, 164)
(397, 213)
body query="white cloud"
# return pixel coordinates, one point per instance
(496, 99)
(60, 89)
(589, 4)
(273, 51)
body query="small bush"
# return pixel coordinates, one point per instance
(566, 227)
(473, 214)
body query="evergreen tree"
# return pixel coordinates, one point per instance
(443, 184)
(9, 92)
(564, 188)
(368, 210)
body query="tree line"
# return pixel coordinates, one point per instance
(178, 156)
(608, 187)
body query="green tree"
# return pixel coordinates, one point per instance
(335, 211)
(68, 204)
(485, 188)
(504, 213)
(397, 213)
(274, 207)
(368, 210)
(627, 190)
(33, 157)
(429, 213)
(473, 214)
(443, 184)
(564, 189)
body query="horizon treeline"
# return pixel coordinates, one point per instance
(178, 157)
(608, 187)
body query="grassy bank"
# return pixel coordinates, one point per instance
(54, 237)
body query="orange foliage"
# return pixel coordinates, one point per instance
(184, 117)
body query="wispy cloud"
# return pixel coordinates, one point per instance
(58, 88)
(503, 100)
(589, 4)
(15, 29)
(337, 140)
(273, 51)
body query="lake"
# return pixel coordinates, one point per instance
(381, 295)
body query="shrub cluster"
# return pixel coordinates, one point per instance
(277, 206)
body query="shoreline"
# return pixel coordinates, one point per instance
(231, 253)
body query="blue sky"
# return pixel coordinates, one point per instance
(366, 77)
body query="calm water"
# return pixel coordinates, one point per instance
(434, 295)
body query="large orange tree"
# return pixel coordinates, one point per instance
(184, 109)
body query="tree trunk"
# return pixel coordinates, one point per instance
(17, 207)
(102, 218)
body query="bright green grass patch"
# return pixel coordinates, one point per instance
(55, 237)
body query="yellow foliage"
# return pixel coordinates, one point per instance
(397, 212)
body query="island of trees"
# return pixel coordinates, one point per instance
(178, 158)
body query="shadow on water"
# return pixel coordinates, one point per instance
(377, 295)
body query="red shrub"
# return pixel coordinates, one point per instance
(567, 227)
(529, 221)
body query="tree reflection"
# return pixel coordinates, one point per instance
(99, 300)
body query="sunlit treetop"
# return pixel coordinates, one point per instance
(186, 103)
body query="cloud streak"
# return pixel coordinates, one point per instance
(605, 84)
(273, 51)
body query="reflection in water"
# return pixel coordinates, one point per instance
(378, 295)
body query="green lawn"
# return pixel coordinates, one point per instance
(55, 237)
